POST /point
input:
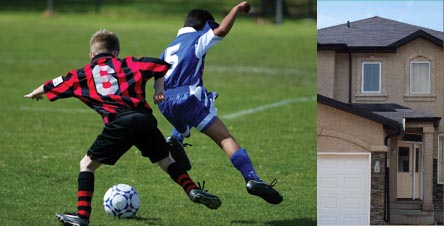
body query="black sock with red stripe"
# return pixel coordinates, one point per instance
(85, 193)
(181, 177)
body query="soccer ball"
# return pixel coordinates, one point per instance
(122, 201)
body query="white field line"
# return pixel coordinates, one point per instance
(227, 116)
(267, 106)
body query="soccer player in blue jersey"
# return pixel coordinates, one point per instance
(188, 104)
(115, 88)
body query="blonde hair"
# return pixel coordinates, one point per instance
(104, 41)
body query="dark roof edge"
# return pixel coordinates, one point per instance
(415, 35)
(359, 112)
(357, 49)
(434, 120)
(336, 47)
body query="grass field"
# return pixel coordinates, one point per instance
(269, 70)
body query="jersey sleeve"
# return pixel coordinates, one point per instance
(153, 67)
(60, 87)
(207, 40)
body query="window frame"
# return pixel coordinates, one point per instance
(429, 77)
(362, 77)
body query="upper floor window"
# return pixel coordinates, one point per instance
(371, 77)
(420, 77)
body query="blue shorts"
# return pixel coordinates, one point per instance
(189, 106)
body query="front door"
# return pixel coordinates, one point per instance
(409, 170)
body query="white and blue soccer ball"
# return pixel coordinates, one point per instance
(122, 201)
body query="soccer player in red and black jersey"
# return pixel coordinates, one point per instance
(115, 88)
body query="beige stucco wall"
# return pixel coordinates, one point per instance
(342, 77)
(326, 67)
(339, 131)
(395, 77)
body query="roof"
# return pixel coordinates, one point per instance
(374, 34)
(388, 114)
(399, 113)
(359, 112)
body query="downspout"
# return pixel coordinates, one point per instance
(387, 178)
(349, 77)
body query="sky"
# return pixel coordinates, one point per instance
(424, 13)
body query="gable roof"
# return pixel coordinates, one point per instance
(374, 34)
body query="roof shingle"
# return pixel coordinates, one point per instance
(375, 32)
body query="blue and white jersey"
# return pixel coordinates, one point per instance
(186, 54)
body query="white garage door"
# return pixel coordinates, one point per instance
(343, 189)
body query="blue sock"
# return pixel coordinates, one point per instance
(242, 162)
(177, 135)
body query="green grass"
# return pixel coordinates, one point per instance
(41, 142)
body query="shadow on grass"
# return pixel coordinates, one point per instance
(145, 220)
(287, 222)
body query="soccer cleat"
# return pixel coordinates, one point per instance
(265, 191)
(72, 219)
(200, 196)
(178, 152)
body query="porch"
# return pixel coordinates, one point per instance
(404, 211)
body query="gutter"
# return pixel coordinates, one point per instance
(349, 77)
(387, 174)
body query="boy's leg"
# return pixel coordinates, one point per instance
(181, 177)
(177, 149)
(177, 135)
(238, 156)
(241, 161)
(85, 193)
(152, 144)
(85, 185)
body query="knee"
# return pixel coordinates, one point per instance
(88, 165)
(164, 163)
(222, 137)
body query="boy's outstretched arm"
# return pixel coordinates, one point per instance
(36, 94)
(228, 21)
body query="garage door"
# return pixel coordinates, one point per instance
(343, 189)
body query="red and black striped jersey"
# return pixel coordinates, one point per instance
(108, 84)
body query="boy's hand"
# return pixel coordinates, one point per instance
(37, 96)
(158, 97)
(244, 7)
(159, 91)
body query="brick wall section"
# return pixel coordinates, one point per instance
(437, 194)
(377, 189)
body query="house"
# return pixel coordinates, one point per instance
(380, 136)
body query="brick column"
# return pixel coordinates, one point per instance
(428, 168)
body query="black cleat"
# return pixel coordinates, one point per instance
(72, 219)
(178, 152)
(265, 191)
(200, 196)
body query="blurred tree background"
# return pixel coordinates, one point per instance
(265, 9)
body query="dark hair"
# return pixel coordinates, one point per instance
(197, 18)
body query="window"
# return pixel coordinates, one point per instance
(440, 159)
(371, 77)
(420, 77)
(403, 159)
